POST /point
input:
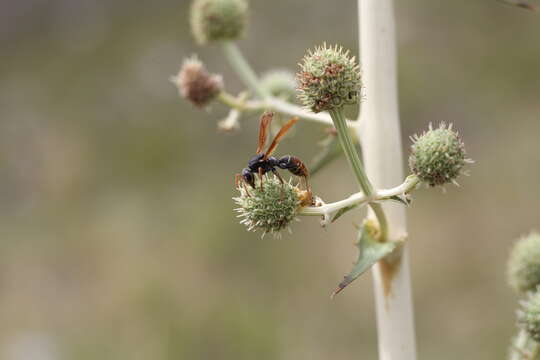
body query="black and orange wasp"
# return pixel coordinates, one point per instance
(262, 162)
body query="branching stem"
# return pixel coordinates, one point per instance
(266, 101)
(358, 170)
(360, 198)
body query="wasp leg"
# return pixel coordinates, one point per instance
(308, 189)
(261, 177)
(275, 172)
(237, 179)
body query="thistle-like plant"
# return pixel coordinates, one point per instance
(328, 80)
(524, 277)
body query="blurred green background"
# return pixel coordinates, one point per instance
(118, 236)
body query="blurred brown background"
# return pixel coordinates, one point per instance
(118, 239)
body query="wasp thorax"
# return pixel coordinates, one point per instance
(438, 155)
(218, 20)
(270, 208)
(196, 84)
(329, 79)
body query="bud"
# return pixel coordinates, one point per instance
(529, 315)
(280, 84)
(218, 20)
(438, 156)
(270, 209)
(524, 263)
(329, 79)
(196, 84)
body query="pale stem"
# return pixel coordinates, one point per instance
(381, 146)
(354, 161)
(361, 198)
(246, 73)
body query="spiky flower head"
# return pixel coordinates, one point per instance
(329, 79)
(271, 208)
(524, 263)
(529, 315)
(218, 20)
(196, 84)
(280, 84)
(522, 347)
(438, 155)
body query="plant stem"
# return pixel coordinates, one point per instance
(360, 198)
(356, 165)
(381, 146)
(248, 76)
(274, 104)
(246, 73)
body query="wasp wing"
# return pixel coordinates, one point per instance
(279, 135)
(266, 119)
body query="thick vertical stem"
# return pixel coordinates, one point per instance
(381, 143)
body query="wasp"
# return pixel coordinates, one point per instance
(262, 162)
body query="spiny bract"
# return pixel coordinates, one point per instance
(529, 315)
(218, 20)
(270, 209)
(438, 155)
(196, 84)
(524, 263)
(329, 79)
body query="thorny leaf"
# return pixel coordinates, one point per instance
(371, 251)
(343, 211)
(402, 199)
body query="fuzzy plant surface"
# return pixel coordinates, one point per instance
(524, 263)
(218, 20)
(438, 155)
(196, 84)
(329, 79)
(271, 207)
(529, 315)
(280, 83)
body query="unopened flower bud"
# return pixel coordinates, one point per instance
(280, 84)
(524, 263)
(196, 84)
(218, 20)
(329, 79)
(438, 155)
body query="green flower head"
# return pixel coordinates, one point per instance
(524, 263)
(329, 79)
(280, 84)
(218, 20)
(529, 315)
(270, 208)
(438, 155)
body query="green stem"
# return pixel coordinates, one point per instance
(354, 161)
(246, 73)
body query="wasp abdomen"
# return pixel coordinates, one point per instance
(294, 165)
